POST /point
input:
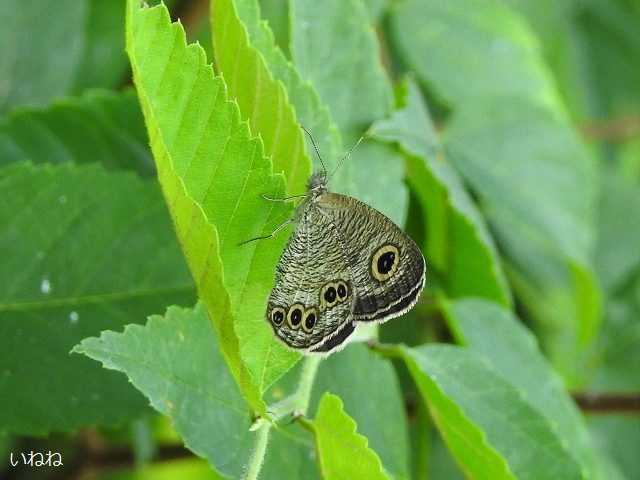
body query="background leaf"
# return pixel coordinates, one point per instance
(373, 173)
(101, 126)
(512, 351)
(355, 374)
(457, 241)
(60, 245)
(490, 429)
(510, 138)
(164, 360)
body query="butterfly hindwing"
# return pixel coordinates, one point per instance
(310, 304)
(387, 267)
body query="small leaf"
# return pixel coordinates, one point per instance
(83, 250)
(498, 336)
(213, 174)
(343, 452)
(489, 427)
(459, 244)
(176, 362)
(100, 126)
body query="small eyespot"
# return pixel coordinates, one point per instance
(294, 315)
(342, 290)
(277, 316)
(384, 262)
(310, 319)
(330, 294)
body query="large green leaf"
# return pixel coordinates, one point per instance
(469, 49)
(511, 140)
(100, 126)
(56, 47)
(213, 173)
(539, 199)
(498, 336)
(176, 362)
(492, 431)
(343, 452)
(260, 96)
(591, 47)
(457, 240)
(82, 250)
(356, 373)
(334, 47)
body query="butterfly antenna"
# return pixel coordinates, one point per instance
(315, 147)
(348, 154)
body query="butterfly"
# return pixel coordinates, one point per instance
(344, 264)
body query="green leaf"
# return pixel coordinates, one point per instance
(309, 110)
(290, 454)
(539, 199)
(510, 138)
(618, 436)
(342, 451)
(83, 251)
(477, 49)
(213, 173)
(100, 126)
(334, 47)
(618, 255)
(356, 373)
(260, 97)
(176, 362)
(53, 48)
(584, 42)
(488, 425)
(457, 241)
(618, 349)
(499, 337)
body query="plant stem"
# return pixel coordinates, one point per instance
(260, 448)
(308, 375)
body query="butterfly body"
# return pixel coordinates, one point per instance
(344, 263)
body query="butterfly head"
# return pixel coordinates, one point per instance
(317, 183)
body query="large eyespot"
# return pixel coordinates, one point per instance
(277, 316)
(384, 262)
(294, 315)
(309, 320)
(328, 295)
(342, 289)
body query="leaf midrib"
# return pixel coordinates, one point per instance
(92, 299)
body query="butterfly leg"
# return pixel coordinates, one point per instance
(284, 199)
(272, 234)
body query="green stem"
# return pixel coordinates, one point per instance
(297, 403)
(307, 377)
(257, 457)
